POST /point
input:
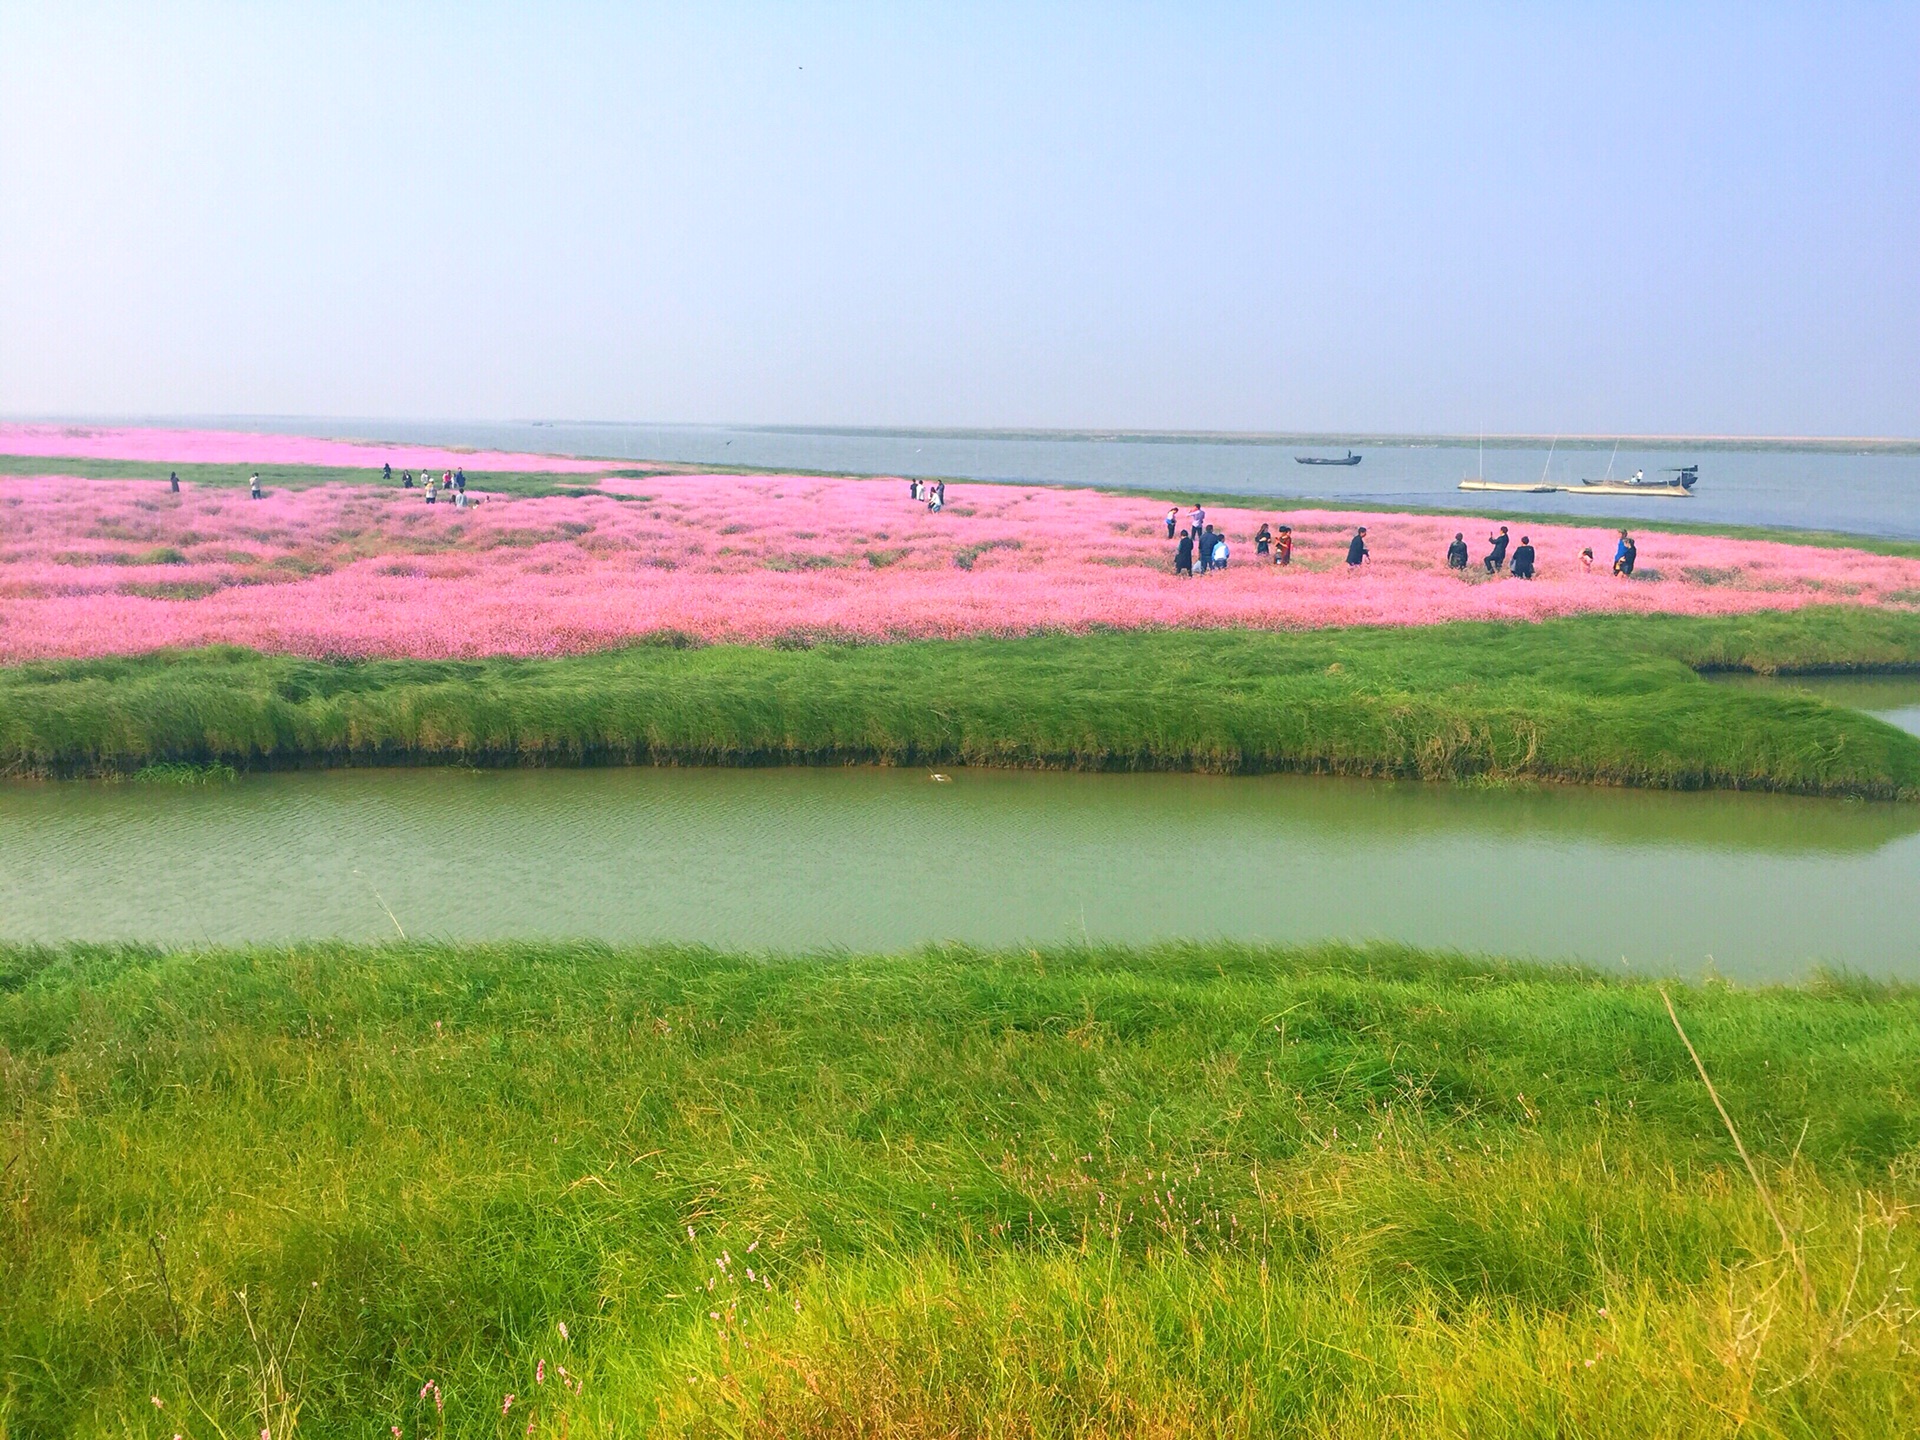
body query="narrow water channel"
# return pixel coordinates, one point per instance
(1754, 886)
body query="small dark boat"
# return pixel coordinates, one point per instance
(1348, 459)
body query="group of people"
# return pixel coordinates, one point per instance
(1201, 548)
(452, 482)
(1496, 559)
(931, 493)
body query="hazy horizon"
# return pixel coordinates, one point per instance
(1215, 220)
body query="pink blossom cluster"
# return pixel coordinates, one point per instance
(98, 567)
(233, 447)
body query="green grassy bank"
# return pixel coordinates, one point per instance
(303, 477)
(1609, 699)
(1209, 1190)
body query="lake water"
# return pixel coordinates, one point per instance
(1759, 887)
(1867, 494)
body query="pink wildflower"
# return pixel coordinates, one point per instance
(107, 567)
(234, 447)
(506, 1404)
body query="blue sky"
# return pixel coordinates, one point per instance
(1565, 218)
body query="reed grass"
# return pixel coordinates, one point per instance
(1604, 699)
(1192, 1190)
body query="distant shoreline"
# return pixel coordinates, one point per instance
(328, 427)
(1885, 444)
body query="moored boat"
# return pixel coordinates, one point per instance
(1517, 487)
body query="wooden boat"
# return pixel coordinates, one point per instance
(1348, 459)
(1627, 487)
(1685, 477)
(1518, 488)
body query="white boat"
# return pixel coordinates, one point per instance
(1521, 488)
(1542, 486)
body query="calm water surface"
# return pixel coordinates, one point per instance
(1756, 886)
(1868, 494)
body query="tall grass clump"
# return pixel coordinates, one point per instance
(1188, 1190)
(1606, 699)
(174, 772)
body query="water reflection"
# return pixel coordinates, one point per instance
(1758, 885)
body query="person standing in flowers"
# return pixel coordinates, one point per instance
(1263, 539)
(1624, 554)
(1173, 520)
(1283, 546)
(1523, 560)
(1183, 555)
(1357, 548)
(1457, 551)
(1496, 560)
(173, 481)
(1217, 559)
(253, 485)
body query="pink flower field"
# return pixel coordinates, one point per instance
(233, 447)
(102, 567)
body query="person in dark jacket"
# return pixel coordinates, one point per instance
(1263, 540)
(1203, 543)
(1496, 560)
(386, 471)
(173, 481)
(1523, 560)
(1183, 555)
(1357, 547)
(1623, 555)
(1457, 552)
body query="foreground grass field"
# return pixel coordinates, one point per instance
(1196, 1190)
(1609, 699)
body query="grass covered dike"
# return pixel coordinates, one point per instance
(1198, 1189)
(1606, 699)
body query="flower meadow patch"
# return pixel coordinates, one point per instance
(234, 447)
(105, 567)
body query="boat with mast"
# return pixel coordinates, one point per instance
(1480, 482)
